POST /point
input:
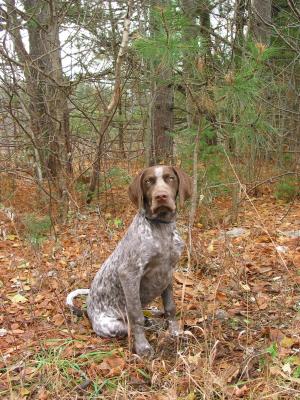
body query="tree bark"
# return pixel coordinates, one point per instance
(46, 87)
(162, 119)
(260, 18)
(162, 105)
(240, 22)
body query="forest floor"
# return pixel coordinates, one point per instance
(237, 295)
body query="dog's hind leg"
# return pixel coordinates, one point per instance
(109, 326)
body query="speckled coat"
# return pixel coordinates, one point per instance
(141, 267)
(139, 270)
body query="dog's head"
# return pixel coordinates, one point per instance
(155, 189)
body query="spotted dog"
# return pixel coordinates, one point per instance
(140, 269)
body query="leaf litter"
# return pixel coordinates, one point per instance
(237, 299)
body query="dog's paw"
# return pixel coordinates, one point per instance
(143, 349)
(174, 328)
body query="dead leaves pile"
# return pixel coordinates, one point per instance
(238, 302)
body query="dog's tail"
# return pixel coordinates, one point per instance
(70, 298)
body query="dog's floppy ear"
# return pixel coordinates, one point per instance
(185, 185)
(135, 191)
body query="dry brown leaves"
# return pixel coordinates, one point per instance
(238, 297)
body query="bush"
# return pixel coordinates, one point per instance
(287, 189)
(36, 228)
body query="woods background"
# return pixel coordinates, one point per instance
(90, 91)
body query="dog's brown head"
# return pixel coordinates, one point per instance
(155, 189)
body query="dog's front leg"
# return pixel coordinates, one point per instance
(170, 310)
(131, 287)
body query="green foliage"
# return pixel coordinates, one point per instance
(273, 350)
(36, 228)
(81, 186)
(118, 222)
(69, 370)
(214, 169)
(53, 358)
(87, 101)
(247, 128)
(237, 95)
(167, 45)
(32, 24)
(118, 176)
(296, 373)
(287, 189)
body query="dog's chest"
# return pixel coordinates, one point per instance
(157, 273)
(167, 245)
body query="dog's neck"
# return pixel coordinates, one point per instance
(159, 219)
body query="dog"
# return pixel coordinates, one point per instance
(140, 269)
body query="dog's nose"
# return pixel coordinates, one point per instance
(161, 197)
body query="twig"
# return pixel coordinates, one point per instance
(270, 180)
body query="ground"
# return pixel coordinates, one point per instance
(237, 296)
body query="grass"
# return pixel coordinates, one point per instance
(57, 369)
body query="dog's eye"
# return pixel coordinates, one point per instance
(170, 178)
(148, 182)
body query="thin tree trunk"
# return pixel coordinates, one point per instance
(194, 199)
(121, 131)
(240, 23)
(112, 106)
(162, 118)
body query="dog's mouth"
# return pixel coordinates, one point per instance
(161, 206)
(163, 213)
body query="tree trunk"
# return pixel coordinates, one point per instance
(114, 46)
(162, 105)
(46, 89)
(162, 119)
(112, 106)
(260, 20)
(240, 22)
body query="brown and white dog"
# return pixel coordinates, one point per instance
(141, 267)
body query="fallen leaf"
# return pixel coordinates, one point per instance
(112, 366)
(11, 237)
(39, 298)
(29, 370)
(296, 261)
(230, 371)
(245, 286)
(262, 301)
(275, 370)
(274, 334)
(18, 298)
(183, 279)
(211, 247)
(287, 342)
(24, 392)
(58, 319)
(16, 331)
(221, 296)
(3, 332)
(287, 368)
(43, 394)
(240, 392)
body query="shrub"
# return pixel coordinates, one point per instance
(36, 228)
(287, 189)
